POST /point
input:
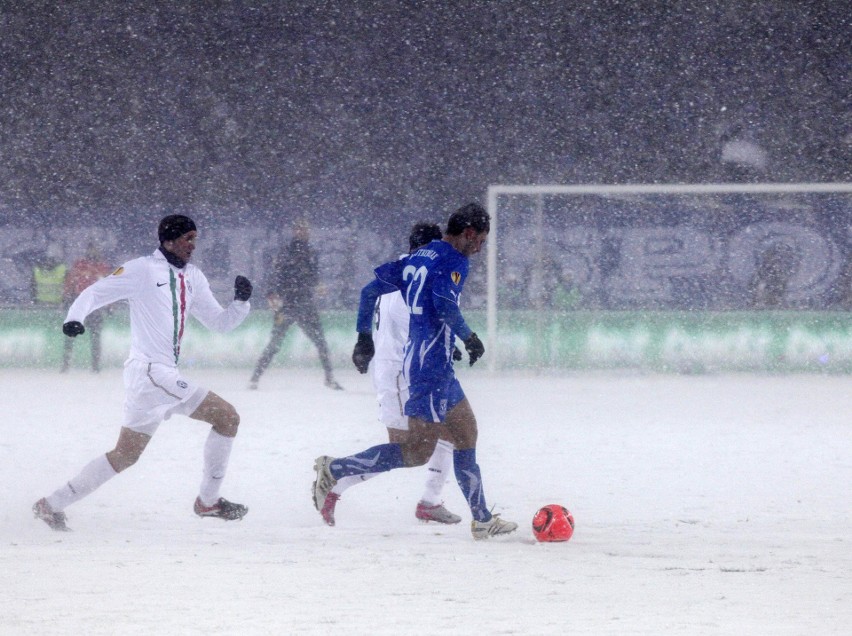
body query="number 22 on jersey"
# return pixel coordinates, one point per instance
(417, 276)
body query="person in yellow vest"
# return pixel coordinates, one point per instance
(49, 278)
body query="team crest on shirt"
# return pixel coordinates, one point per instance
(455, 277)
(118, 272)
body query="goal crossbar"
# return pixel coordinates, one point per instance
(495, 191)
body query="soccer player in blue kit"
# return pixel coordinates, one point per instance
(431, 280)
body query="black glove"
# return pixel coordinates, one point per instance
(242, 288)
(474, 348)
(73, 328)
(364, 352)
(457, 354)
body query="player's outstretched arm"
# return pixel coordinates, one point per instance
(210, 313)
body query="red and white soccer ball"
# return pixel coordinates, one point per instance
(553, 523)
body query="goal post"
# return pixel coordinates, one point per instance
(651, 247)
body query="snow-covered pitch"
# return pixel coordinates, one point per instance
(703, 505)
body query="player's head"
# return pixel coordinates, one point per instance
(177, 235)
(423, 233)
(301, 229)
(470, 215)
(468, 228)
(174, 226)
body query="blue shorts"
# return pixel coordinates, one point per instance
(430, 401)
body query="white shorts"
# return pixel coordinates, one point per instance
(154, 392)
(392, 393)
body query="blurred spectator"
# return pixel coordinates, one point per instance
(83, 273)
(743, 159)
(567, 295)
(843, 286)
(295, 281)
(775, 266)
(49, 277)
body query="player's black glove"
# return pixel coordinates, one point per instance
(72, 329)
(364, 352)
(474, 348)
(242, 288)
(457, 354)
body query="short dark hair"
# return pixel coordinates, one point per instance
(470, 215)
(174, 226)
(423, 233)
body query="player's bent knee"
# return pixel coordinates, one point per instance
(221, 415)
(121, 461)
(463, 442)
(228, 422)
(419, 452)
(414, 455)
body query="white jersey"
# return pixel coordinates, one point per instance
(390, 331)
(161, 297)
(391, 328)
(389, 337)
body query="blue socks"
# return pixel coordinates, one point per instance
(470, 482)
(378, 459)
(385, 457)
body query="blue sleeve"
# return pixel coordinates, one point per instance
(384, 283)
(446, 290)
(449, 312)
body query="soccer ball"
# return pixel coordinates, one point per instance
(553, 523)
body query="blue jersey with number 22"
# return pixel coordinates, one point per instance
(431, 281)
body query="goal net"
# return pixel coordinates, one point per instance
(558, 253)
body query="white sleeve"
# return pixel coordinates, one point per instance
(120, 285)
(209, 312)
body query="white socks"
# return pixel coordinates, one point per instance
(217, 450)
(94, 474)
(440, 467)
(347, 482)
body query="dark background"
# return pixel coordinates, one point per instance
(386, 111)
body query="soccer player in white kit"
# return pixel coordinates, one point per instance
(162, 289)
(390, 335)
